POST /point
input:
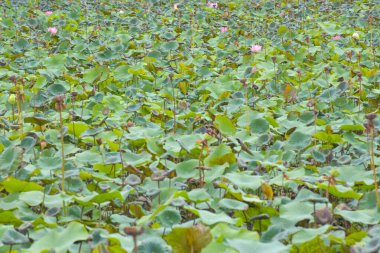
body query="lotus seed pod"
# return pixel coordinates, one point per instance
(12, 99)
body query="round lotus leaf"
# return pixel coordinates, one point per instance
(32, 198)
(39, 120)
(152, 192)
(299, 140)
(113, 158)
(345, 159)
(11, 237)
(121, 219)
(154, 54)
(170, 46)
(244, 181)
(307, 117)
(37, 101)
(374, 231)
(263, 139)
(28, 143)
(133, 180)
(178, 202)
(49, 163)
(153, 245)
(318, 156)
(372, 246)
(54, 211)
(259, 126)
(169, 217)
(56, 89)
(92, 132)
(232, 204)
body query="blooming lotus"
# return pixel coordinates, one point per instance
(212, 5)
(337, 37)
(224, 29)
(52, 30)
(48, 13)
(175, 7)
(256, 48)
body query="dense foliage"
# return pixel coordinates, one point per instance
(156, 126)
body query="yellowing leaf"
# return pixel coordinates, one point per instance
(190, 239)
(267, 190)
(183, 87)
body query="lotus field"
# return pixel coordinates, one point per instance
(158, 126)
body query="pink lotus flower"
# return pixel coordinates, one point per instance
(337, 37)
(52, 30)
(212, 5)
(256, 48)
(48, 13)
(224, 29)
(254, 69)
(175, 7)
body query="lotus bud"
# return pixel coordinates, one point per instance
(355, 36)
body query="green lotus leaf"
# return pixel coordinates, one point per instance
(153, 245)
(232, 204)
(246, 246)
(12, 237)
(308, 234)
(220, 155)
(13, 185)
(296, 211)
(169, 217)
(89, 157)
(244, 181)
(199, 195)
(92, 132)
(340, 191)
(365, 216)
(225, 125)
(28, 143)
(190, 239)
(299, 140)
(49, 163)
(57, 89)
(54, 239)
(187, 169)
(8, 159)
(32, 198)
(39, 120)
(259, 126)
